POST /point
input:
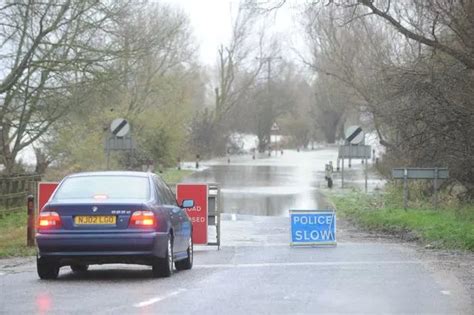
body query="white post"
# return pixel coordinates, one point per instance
(366, 174)
(405, 189)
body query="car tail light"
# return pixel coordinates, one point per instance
(49, 219)
(143, 219)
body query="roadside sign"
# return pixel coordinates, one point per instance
(120, 138)
(120, 127)
(198, 213)
(433, 173)
(354, 135)
(313, 227)
(125, 143)
(45, 190)
(275, 127)
(350, 151)
(354, 151)
(420, 173)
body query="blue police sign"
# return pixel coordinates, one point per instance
(313, 227)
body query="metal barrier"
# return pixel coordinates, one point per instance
(213, 212)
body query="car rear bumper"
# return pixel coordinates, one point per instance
(103, 248)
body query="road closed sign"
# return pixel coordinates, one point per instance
(45, 191)
(198, 213)
(313, 227)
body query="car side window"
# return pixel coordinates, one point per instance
(159, 193)
(171, 195)
(165, 192)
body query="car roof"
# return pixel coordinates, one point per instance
(112, 173)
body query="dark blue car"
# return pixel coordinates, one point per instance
(113, 217)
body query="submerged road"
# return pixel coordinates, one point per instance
(255, 272)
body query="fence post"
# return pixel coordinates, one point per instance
(435, 184)
(366, 174)
(30, 233)
(405, 189)
(342, 171)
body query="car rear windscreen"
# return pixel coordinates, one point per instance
(104, 187)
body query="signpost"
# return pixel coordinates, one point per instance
(354, 135)
(349, 151)
(420, 173)
(120, 127)
(120, 138)
(355, 151)
(313, 227)
(198, 213)
(274, 129)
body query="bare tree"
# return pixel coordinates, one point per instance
(48, 51)
(238, 67)
(238, 58)
(408, 64)
(436, 24)
(155, 39)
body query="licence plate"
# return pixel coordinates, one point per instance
(95, 219)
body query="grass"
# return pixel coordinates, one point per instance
(173, 175)
(450, 227)
(13, 235)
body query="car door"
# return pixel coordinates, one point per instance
(169, 203)
(181, 236)
(186, 227)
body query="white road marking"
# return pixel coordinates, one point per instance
(446, 292)
(234, 217)
(296, 264)
(159, 298)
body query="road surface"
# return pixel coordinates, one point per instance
(256, 271)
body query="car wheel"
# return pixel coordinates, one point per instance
(163, 267)
(79, 268)
(187, 263)
(47, 269)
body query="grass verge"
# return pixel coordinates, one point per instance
(449, 227)
(173, 175)
(13, 235)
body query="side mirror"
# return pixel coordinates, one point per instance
(187, 203)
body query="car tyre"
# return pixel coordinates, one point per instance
(79, 268)
(47, 269)
(163, 267)
(187, 263)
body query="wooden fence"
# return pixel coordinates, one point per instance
(14, 190)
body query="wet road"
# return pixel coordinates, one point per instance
(256, 271)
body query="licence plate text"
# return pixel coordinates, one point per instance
(95, 219)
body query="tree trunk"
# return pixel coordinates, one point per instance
(42, 162)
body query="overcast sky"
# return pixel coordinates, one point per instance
(211, 21)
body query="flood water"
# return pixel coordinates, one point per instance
(268, 186)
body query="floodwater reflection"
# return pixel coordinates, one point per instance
(268, 190)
